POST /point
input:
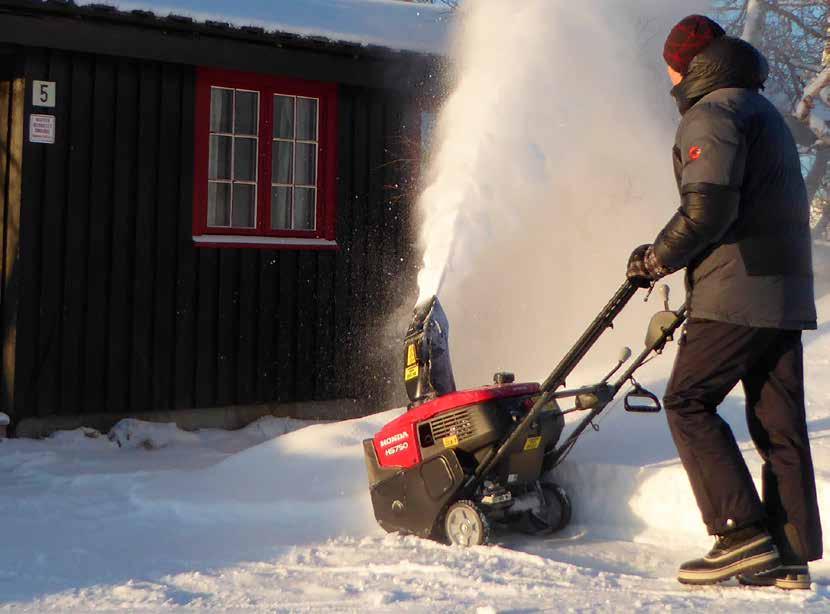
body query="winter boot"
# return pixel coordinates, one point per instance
(743, 551)
(788, 577)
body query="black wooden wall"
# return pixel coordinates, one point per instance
(118, 311)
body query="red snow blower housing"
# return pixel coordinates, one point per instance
(458, 462)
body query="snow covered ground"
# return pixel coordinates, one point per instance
(258, 520)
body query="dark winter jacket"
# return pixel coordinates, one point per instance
(742, 229)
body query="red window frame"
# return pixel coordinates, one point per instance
(323, 237)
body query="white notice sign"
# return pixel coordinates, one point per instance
(42, 128)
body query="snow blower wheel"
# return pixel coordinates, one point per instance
(465, 525)
(551, 514)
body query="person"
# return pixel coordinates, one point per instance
(742, 234)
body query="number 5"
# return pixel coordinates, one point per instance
(44, 92)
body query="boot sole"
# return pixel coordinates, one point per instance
(801, 582)
(750, 565)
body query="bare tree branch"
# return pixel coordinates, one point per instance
(805, 110)
(807, 102)
(775, 7)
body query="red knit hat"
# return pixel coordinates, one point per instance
(688, 38)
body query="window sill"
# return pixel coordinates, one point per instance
(263, 242)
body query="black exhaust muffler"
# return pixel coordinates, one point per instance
(427, 367)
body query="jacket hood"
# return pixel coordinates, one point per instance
(726, 62)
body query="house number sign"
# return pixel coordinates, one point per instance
(43, 93)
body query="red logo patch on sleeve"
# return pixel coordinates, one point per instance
(695, 152)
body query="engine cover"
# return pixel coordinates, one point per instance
(398, 444)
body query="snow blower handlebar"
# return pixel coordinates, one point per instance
(603, 321)
(668, 330)
(556, 379)
(602, 393)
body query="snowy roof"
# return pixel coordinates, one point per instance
(393, 24)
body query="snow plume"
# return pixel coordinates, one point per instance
(551, 162)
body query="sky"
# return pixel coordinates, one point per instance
(389, 23)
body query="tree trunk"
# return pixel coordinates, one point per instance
(804, 110)
(756, 16)
(813, 181)
(825, 58)
(822, 163)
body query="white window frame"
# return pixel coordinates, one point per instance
(233, 137)
(293, 185)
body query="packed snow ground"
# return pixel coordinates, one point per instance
(272, 518)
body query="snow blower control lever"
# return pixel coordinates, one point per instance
(459, 460)
(661, 329)
(556, 379)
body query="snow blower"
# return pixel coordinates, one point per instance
(458, 462)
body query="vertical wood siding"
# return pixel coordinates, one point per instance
(11, 178)
(118, 311)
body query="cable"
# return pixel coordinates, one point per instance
(570, 447)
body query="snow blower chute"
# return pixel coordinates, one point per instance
(458, 462)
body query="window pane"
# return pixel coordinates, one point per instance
(306, 119)
(306, 170)
(284, 117)
(243, 205)
(305, 207)
(245, 159)
(282, 160)
(219, 204)
(221, 110)
(220, 157)
(280, 208)
(247, 120)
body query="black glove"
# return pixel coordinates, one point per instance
(637, 273)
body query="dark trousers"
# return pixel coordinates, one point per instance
(712, 358)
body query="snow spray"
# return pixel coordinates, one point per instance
(551, 161)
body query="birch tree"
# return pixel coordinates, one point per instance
(756, 15)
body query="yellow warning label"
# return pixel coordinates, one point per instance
(410, 355)
(532, 443)
(410, 373)
(451, 441)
